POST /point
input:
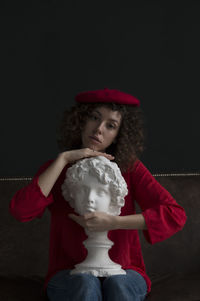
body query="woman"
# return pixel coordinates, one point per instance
(109, 123)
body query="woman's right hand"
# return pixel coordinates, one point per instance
(48, 178)
(75, 155)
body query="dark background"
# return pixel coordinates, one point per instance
(51, 50)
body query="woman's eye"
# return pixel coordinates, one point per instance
(111, 126)
(94, 117)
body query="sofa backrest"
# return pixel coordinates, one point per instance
(181, 252)
(24, 246)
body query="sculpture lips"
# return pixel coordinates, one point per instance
(90, 209)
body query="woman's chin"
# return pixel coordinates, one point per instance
(99, 150)
(94, 148)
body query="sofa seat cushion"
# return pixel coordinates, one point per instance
(165, 288)
(14, 288)
(176, 288)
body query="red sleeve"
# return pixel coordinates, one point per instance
(163, 216)
(29, 202)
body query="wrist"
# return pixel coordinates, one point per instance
(116, 222)
(133, 222)
(62, 159)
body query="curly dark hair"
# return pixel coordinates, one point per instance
(130, 139)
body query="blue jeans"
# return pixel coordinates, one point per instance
(86, 287)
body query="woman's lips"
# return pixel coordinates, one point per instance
(95, 139)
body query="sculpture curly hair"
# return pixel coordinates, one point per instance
(105, 171)
(130, 139)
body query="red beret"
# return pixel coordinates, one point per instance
(107, 95)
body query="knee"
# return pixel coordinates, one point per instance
(113, 288)
(123, 287)
(86, 280)
(114, 282)
(75, 287)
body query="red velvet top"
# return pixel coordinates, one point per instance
(162, 214)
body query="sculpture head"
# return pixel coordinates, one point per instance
(95, 184)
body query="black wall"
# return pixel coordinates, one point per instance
(51, 50)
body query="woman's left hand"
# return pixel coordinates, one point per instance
(95, 221)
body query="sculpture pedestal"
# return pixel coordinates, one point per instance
(98, 262)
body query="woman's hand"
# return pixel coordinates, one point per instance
(101, 221)
(95, 221)
(75, 155)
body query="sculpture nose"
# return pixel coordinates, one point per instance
(91, 200)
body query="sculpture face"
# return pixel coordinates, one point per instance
(95, 184)
(91, 195)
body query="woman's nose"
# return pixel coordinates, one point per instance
(99, 128)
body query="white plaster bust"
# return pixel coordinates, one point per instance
(96, 184)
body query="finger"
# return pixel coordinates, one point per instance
(89, 215)
(91, 229)
(94, 153)
(75, 218)
(71, 215)
(108, 156)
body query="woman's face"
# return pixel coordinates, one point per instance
(101, 128)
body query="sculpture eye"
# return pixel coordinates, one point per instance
(101, 192)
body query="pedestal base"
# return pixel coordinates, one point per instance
(114, 269)
(98, 262)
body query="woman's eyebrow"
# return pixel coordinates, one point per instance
(95, 111)
(113, 120)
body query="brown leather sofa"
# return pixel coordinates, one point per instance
(173, 265)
